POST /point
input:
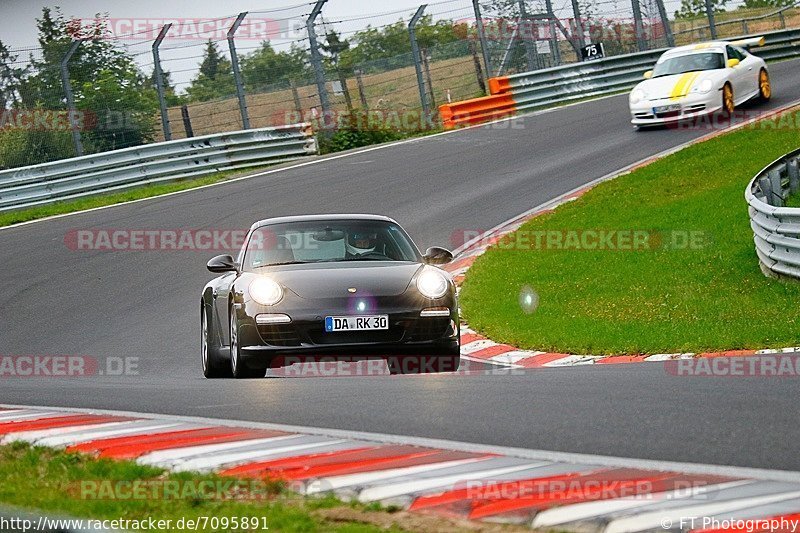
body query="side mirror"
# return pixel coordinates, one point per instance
(648, 74)
(437, 256)
(221, 264)
(732, 62)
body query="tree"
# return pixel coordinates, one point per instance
(117, 102)
(264, 68)
(768, 3)
(10, 78)
(696, 8)
(333, 45)
(215, 77)
(170, 95)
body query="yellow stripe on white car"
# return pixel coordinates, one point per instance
(683, 85)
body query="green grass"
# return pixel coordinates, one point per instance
(709, 297)
(50, 481)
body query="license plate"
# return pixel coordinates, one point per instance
(356, 323)
(666, 108)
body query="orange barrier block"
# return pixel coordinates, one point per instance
(477, 110)
(499, 85)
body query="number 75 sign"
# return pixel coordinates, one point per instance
(593, 51)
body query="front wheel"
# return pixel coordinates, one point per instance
(727, 100)
(764, 87)
(213, 366)
(239, 369)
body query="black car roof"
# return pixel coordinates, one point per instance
(312, 218)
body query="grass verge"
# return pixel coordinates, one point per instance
(695, 287)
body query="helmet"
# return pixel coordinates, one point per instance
(360, 242)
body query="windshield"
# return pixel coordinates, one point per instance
(328, 241)
(689, 63)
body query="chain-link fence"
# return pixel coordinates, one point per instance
(104, 83)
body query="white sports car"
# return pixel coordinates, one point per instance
(699, 79)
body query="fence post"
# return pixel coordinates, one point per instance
(298, 107)
(73, 126)
(345, 90)
(160, 82)
(578, 31)
(527, 37)
(316, 62)
(362, 94)
(662, 13)
(712, 26)
(783, 19)
(641, 45)
(237, 74)
(551, 27)
(478, 69)
(426, 67)
(187, 122)
(417, 66)
(482, 37)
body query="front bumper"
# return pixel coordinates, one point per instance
(408, 334)
(691, 106)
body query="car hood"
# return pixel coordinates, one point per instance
(674, 86)
(331, 280)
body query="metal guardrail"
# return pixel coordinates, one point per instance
(776, 228)
(563, 84)
(152, 163)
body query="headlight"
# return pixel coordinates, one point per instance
(637, 96)
(703, 87)
(266, 291)
(432, 283)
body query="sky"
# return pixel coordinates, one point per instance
(18, 22)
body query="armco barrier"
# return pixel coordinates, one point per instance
(152, 163)
(568, 83)
(477, 110)
(776, 228)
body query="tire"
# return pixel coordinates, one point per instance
(238, 369)
(764, 86)
(727, 100)
(214, 367)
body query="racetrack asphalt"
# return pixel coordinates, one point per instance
(144, 304)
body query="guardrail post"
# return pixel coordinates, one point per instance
(426, 110)
(73, 124)
(783, 19)
(794, 176)
(776, 188)
(162, 100)
(482, 37)
(237, 74)
(662, 13)
(712, 26)
(316, 62)
(638, 26)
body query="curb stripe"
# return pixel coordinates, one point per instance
(57, 422)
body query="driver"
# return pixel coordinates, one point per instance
(361, 243)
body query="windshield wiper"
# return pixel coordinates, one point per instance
(287, 263)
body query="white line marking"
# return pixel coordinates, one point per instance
(164, 456)
(586, 510)
(348, 480)
(383, 492)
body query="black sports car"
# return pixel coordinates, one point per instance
(322, 285)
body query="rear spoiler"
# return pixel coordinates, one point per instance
(750, 43)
